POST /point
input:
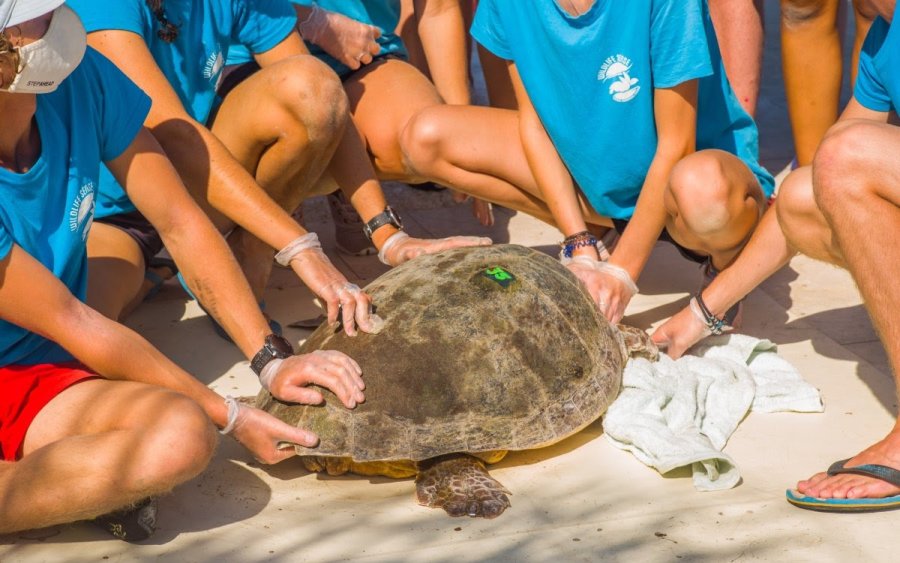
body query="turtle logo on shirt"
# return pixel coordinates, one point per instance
(618, 70)
(81, 213)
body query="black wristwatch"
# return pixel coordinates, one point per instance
(386, 217)
(275, 347)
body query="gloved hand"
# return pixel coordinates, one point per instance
(400, 247)
(288, 379)
(265, 436)
(340, 296)
(682, 331)
(609, 286)
(349, 41)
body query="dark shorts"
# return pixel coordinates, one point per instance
(138, 228)
(621, 224)
(25, 391)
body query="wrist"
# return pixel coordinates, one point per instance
(582, 243)
(381, 236)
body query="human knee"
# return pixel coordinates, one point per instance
(309, 90)
(701, 192)
(797, 13)
(421, 139)
(796, 204)
(176, 442)
(843, 162)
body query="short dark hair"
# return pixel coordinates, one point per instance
(168, 31)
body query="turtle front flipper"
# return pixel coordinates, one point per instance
(461, 485)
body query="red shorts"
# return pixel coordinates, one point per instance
(24, 391)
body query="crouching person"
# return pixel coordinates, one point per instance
(93, 419)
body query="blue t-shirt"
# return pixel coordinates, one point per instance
(591, 79)
(193, 62)
(383, 14)
(92, 117)
(878, 83)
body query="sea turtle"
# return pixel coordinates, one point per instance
(484, 350)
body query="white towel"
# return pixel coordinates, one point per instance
(673, 413)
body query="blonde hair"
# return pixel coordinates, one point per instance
(9, 61)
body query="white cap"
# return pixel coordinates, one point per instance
(14, 12)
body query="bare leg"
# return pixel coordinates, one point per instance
(116, 266)
(802, 221)
(282, 124)
(714, 203)
(383, 98)
(855, 183)
(864, 14)
(136, 442)
(739, 29)
(478, 151)
(811, 57)
(407, 29)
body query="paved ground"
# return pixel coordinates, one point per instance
(578, 500)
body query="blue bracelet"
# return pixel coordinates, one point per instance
(576, 241)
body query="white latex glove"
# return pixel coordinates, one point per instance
(340, 296)
(262, 433)
(609, 286)
(289, 379)
(401, 247)
(347, 40)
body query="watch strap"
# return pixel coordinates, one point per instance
(275, 346)
(386, 217)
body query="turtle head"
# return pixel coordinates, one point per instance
(637, 343)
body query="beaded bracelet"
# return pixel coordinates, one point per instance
(579, 240)
(713, 323)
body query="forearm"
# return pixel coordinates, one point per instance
(444, 39)
(551, 175)
(219, 182)
(212, 273)
(766, 252)
(352, 170)
(649, 218)
(116, 352)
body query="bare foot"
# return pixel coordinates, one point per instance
(849, 486)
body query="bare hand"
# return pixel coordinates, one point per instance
(401, 247)
(339, 295)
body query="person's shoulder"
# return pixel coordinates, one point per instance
(129, 15)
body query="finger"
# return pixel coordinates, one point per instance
(376, 32)
(374, 48)
(351, 62)
(363, 311)
(338, 377)
(348, 312)
(293, 435)
(365, 58)
(333, 308)
(291, 393)
(340, 357)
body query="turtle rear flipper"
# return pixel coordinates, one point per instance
(461, 485)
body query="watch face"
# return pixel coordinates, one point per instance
(280, 346)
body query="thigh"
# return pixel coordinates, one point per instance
(383, 97)
(115, 269)
(96, 406)
(713, 203)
